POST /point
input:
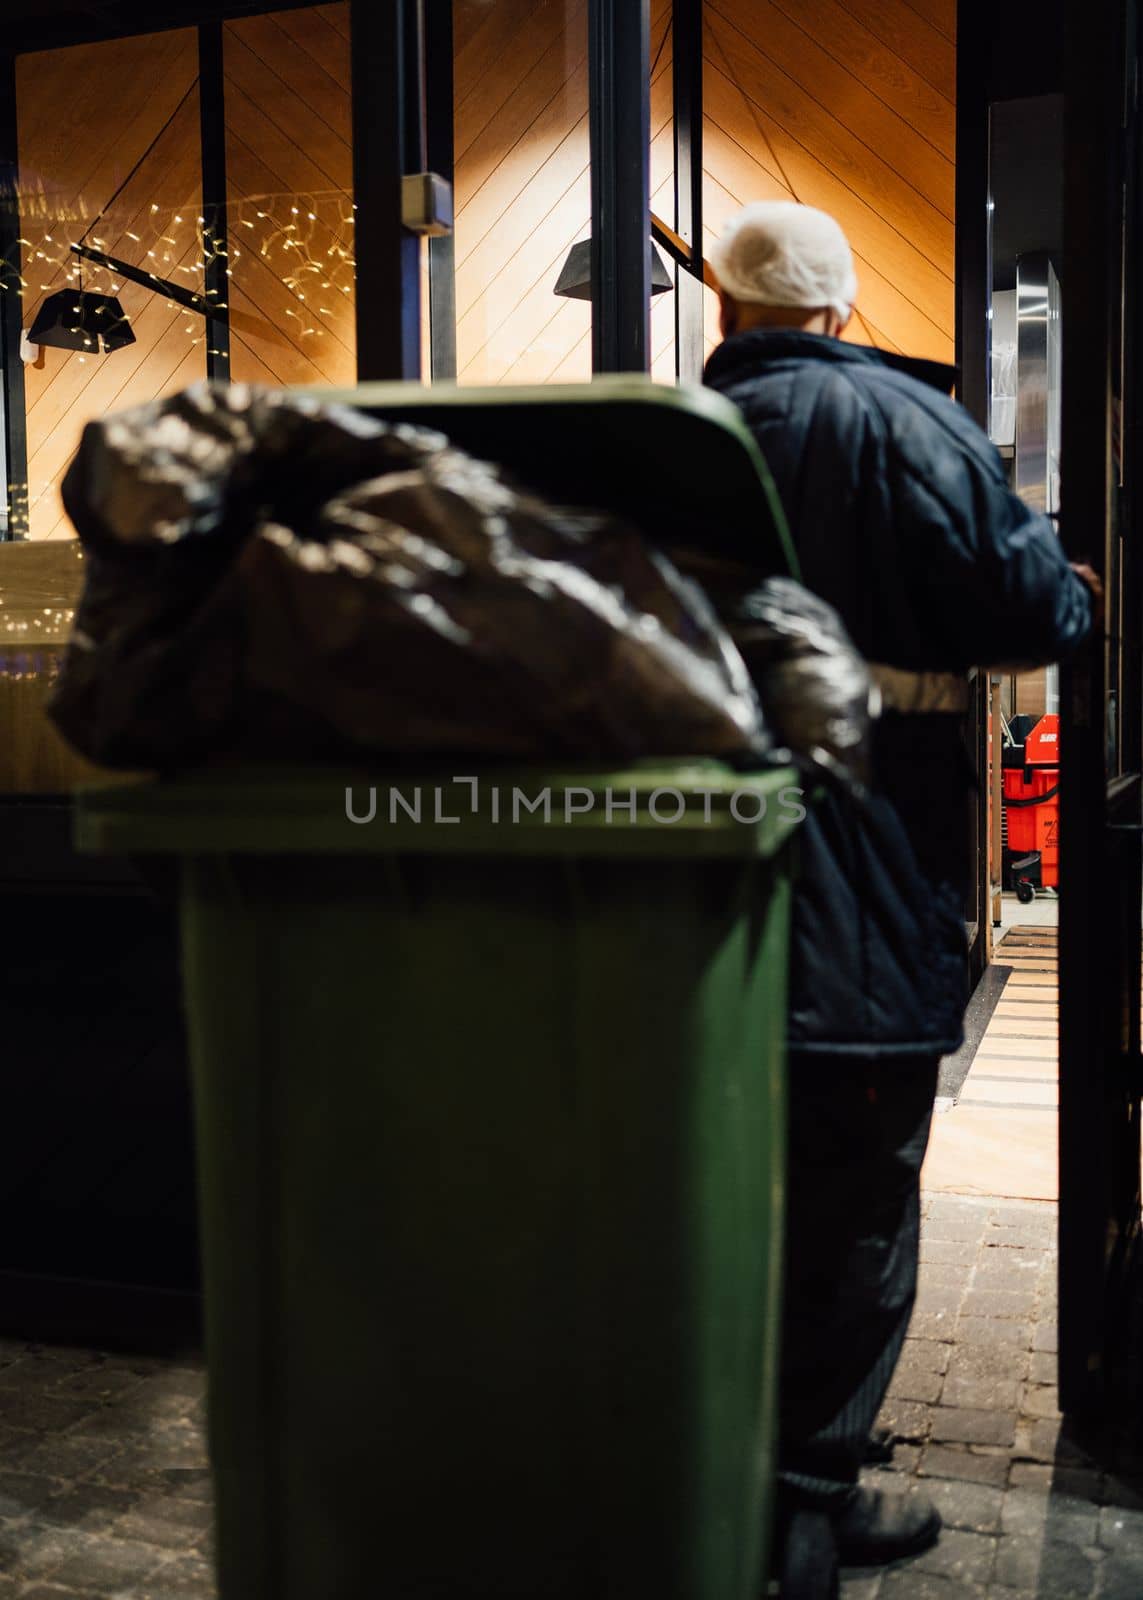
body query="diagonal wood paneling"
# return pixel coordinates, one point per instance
(290, 193)
(86, 116)
(522, 184)
(847, 102)
(846, 105)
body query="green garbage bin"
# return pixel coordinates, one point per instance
(490, 1135)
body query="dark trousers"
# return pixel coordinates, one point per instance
(857, 1136)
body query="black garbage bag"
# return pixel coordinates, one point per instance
(817, 694)
(270, 577)
(815, 686)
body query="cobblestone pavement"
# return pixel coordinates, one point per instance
(104, 1488)
(103, 1477)
(1028, 1513)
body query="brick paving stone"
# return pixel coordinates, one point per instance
(1021, 1236)
(108, 1566)
(944, 1251)
(927, 1355)
(1043, 1439)
(858, 1584)
(162, 1449)
(1043, 1367)
(1052, 1571)
(1031, 1475)
(88, 1506)
(1040, 1400)
(910, 1384)
(944, 1274)
(98, 1383)
(905, 1458)
(171, 1521)
(32, 1549)
(1085, 1483)
(1121, 1529)
(1001, 1304)
(932, 1325)
(1038, 1214)
(974, 1330)
(953, 1425)
(1032, 1514)
(974, 1507)
(1120, 1491)
(39, 1412)
(981, 1394)
(945, 1461)
(47, 1456)
(941, 1300)
(32, 1374)
(961, 1230)
(20, 1495)
(1045, 1337)
(1034, 1233)
(906, 1419)
(1121, 1577)
(961, 1556)
(186, 1578)
(904, 1582)
(988, 1363)
(1007, 1269)
(951, 1205)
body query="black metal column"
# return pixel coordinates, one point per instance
(1095, 1104)
(440, 154)
(619, 66)
(686, 43)
(973, 294)
(387, 74)
(973, 267)
(15, 437)
(215, 229)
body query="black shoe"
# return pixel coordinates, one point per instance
(876, 1527)
(879, 1447)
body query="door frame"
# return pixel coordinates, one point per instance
(1100, 788)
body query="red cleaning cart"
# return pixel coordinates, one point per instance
(1032, 809)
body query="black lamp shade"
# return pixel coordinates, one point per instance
(575, 280)
(77, 319)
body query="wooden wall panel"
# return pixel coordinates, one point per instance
(847, 105)
(290, 192)
(86, 116)
(522, 184)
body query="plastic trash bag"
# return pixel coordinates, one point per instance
(814, 684)
(817, 694)
(269, 577)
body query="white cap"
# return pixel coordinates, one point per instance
(780, 253)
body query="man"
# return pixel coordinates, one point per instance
(902, 519)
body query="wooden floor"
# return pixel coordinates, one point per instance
(999, 1139)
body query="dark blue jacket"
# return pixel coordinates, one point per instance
(903, 520)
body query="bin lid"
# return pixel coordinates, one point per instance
(681, 809)
(678, 462)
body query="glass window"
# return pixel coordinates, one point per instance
(289, 180)
(522, 189)
(109, 167)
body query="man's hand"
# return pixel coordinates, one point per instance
(1095, 583)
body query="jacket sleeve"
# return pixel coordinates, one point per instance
(980, 558)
